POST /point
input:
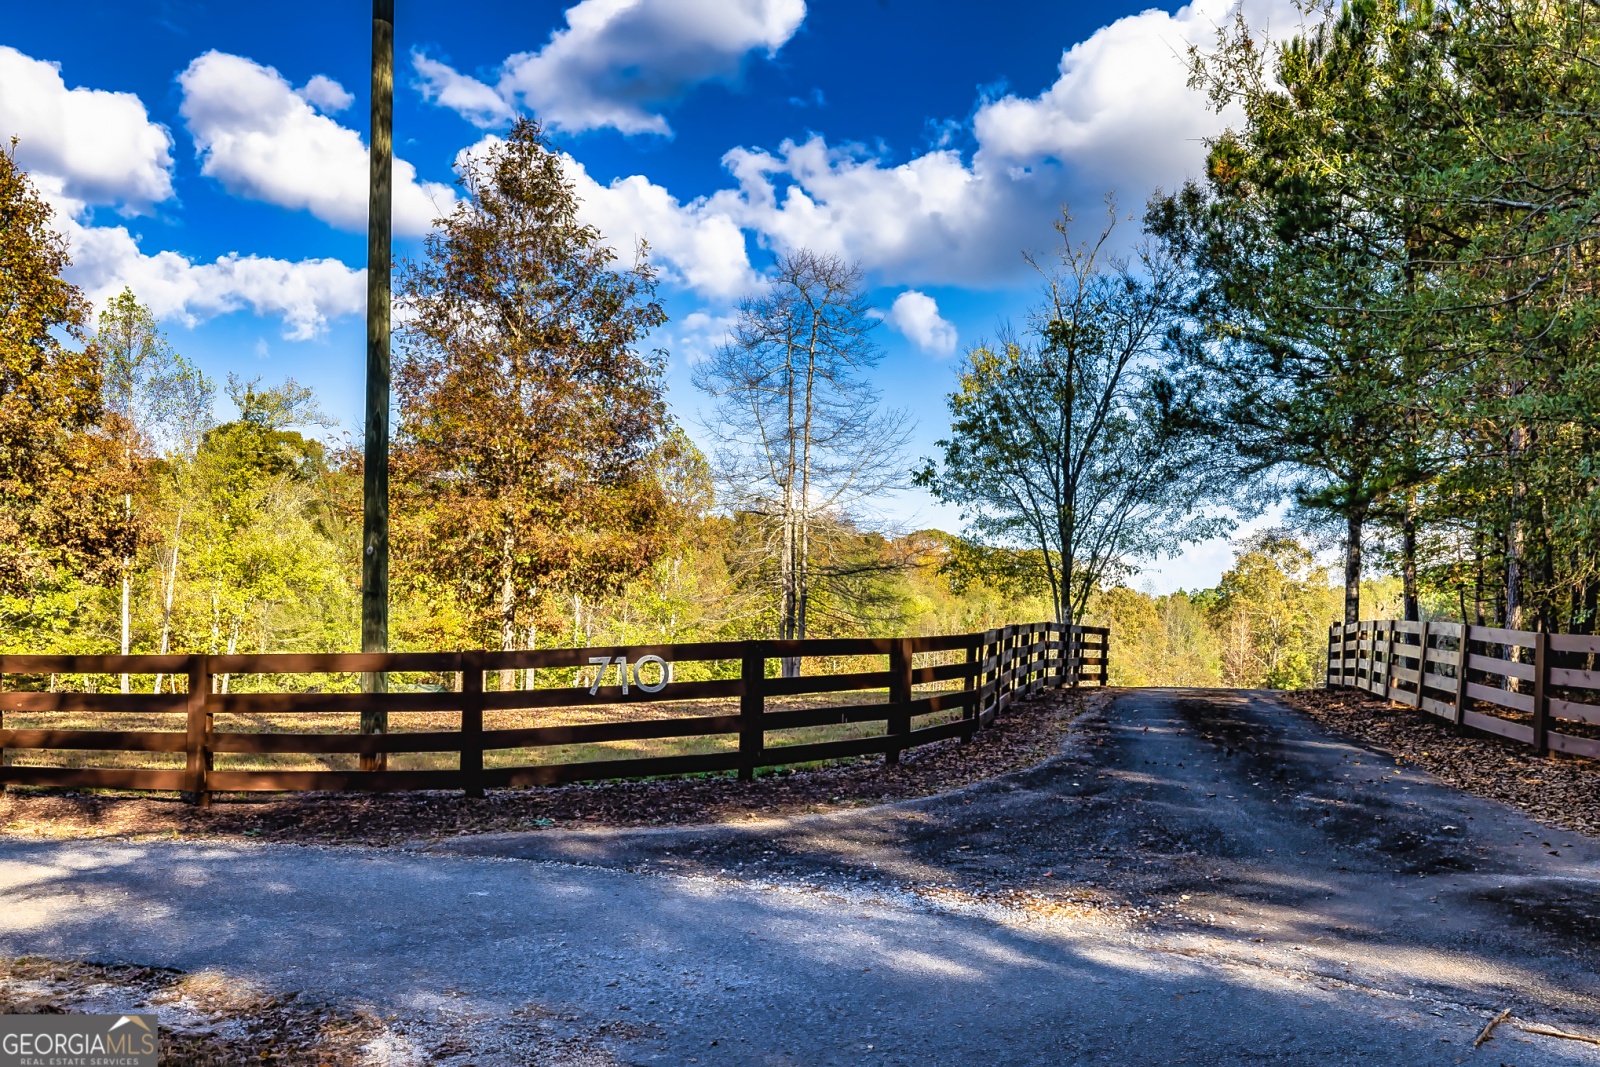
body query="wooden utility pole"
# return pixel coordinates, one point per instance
(375, 484)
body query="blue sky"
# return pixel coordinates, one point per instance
(211, 156)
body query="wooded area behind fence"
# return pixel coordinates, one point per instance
(963, 683)
(1531, 682)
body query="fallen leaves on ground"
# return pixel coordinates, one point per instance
(205, 1020)
(1558, 790)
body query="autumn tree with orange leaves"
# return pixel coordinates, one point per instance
(531, 418)
(59, 486)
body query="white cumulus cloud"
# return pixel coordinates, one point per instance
(693, 244)
(468, 97)
(325, 94)
(916, 315)
(700, 333)
(933, 219)
(89, 145)
(305, 294)
(698, 246)
(1119, 118)
(1121, 111)
(618, 62)
(262, 140)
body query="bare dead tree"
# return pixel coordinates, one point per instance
(801, 436)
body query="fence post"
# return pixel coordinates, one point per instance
(1336, 628)
(1105, 657)
(899, 723)
(1378, 673)
(1541, 695)
(197, 738)
(1008, 662)
(1053, 631)
(1041, 657)
(1388, 657)
(1349, 670)
(753, 673)
(471, 724)
(1047, 666)
(1422, 662)
(1349, 659)
(1461, 672)
(1071, 652)
(1370, 636)
(1027, 650)
(969, 687)
(980, 702)
(1327, 677)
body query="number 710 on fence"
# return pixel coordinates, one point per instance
(621, 662)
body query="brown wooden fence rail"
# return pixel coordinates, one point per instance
(1535, 688)
(992, 669)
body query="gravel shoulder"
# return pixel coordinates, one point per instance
(1196, 877)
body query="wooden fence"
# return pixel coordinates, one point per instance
(982, 675)
(1537, 688)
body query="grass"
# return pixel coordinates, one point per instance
(449, 721)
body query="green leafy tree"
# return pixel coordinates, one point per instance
(154, 402)
(1161, 641)
(1422, 176)
(265, 543)
(1074, 442)
(1303, 266)
(1271, 611)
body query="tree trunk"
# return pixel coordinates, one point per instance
(166, 593)
(1067, 612)
(1408, 566)
(1516, 534)
(1477, 586)
(216, 619)
(789, 596)
(126, 627)
(802, 578)
(233, 645)
(528, 675)
(1514, 561)
(1352, 565)
(508, 601)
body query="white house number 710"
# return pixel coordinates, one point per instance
(605, 662)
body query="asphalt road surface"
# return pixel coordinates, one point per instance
(1199, 878)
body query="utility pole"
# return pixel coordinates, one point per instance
(375, 483)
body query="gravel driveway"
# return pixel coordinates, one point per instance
(1201, 877)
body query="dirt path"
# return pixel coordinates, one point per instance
(1201, 878)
